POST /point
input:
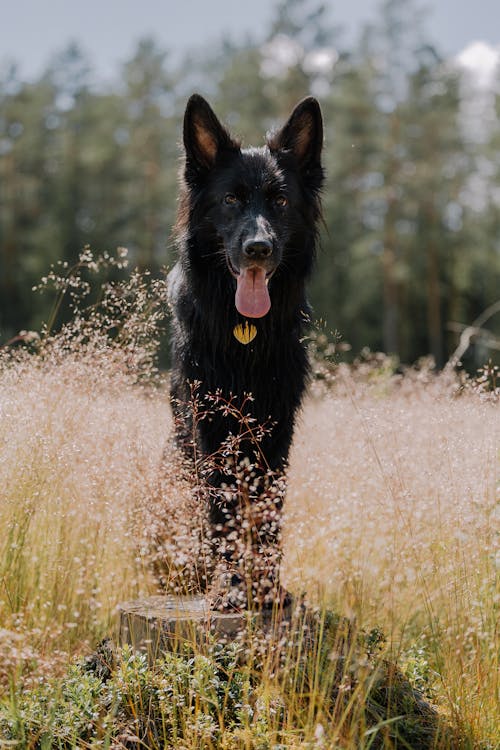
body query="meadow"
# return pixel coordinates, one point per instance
(392, 522)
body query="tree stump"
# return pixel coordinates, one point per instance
(163, 623)
(157, 624)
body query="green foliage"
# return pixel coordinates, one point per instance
(418, 668)
(54, 714)
(182, 697)
(217, 699)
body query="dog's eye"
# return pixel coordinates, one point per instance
(281, 201)
(230, 199)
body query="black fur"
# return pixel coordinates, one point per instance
(239, 208)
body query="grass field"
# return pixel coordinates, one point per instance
(392, 520)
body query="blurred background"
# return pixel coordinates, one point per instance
(91, 102)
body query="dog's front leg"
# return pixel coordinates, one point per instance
(245, 541)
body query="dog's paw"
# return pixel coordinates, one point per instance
(228, 594)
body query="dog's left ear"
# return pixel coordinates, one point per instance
(302, 134)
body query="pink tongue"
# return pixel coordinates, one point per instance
(252, 297)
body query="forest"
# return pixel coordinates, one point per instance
(410, 250)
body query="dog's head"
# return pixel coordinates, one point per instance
(254, 201)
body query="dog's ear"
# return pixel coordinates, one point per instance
(204, 136)
(302, 134)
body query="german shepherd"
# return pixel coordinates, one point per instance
(246, 234)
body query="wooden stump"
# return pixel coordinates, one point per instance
(164, 623)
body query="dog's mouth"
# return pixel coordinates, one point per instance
(252, 298)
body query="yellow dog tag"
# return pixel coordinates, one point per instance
(245, 332)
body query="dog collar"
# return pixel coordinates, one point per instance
(245, 332)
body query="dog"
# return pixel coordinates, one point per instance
(246, 233)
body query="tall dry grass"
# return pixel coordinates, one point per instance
(82, 430)
(78, 451)
(392, 515)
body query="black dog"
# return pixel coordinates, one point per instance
(247, 232)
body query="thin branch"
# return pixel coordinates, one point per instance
(472, 331)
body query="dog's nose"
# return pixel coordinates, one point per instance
(257, 249)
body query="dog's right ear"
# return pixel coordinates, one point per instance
(204, 136)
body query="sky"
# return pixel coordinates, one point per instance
(32, 31)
